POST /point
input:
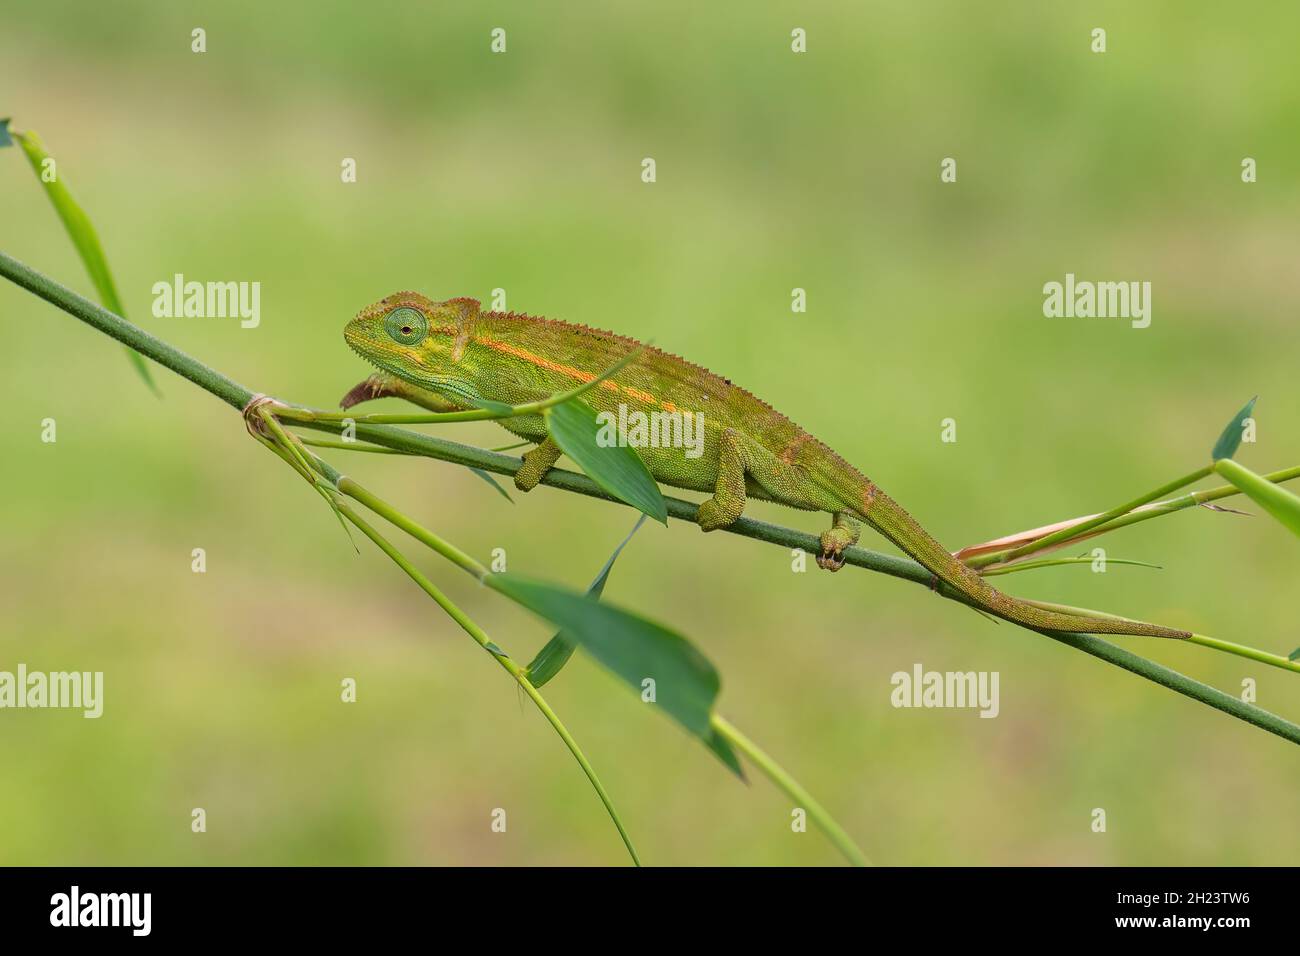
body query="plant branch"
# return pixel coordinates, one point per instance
(114, 326)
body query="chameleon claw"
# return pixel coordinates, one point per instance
(373, 387)
(830, 560)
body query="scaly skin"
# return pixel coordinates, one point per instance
(446, 355)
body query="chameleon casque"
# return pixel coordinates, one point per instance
(456, 355)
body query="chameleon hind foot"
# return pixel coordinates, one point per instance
(830, 560)
(537, 463)
(844, 533)
(713, 515)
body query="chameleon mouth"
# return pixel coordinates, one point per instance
(357, 348)
(358, 343)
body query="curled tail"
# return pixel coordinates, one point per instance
(888, 517)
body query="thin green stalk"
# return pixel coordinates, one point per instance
(779, 776)
(1054, 562)
(350, 446)
(293, 445)
(429, 446)
(114, 326)
(422, 534)
(1065, 534)
(1154, 510)
(513, 669)
(1241, 650)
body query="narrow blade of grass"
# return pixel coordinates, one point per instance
(1053, 562)
(83, 236)
(485, 476)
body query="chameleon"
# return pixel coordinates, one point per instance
(452, 355)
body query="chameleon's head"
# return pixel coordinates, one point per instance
(415, 338)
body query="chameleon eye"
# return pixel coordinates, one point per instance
(405, 325)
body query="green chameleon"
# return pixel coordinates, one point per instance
(456, 355)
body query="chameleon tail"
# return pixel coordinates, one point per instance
(888, 517)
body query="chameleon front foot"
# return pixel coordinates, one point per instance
(376, 386)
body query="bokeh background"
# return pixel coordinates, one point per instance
(775, 170)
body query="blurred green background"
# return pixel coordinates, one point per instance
(775, 170)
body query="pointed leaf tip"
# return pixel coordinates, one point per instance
(487, 477)
(85, 240)
(722, 750)
(613, 465)
(557, 651)
(1230, 440)
(642, 654)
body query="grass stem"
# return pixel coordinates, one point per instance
(508, 663)
(793, 789)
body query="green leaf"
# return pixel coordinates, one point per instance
(83, 236)
(1228, 442)
(557, 651)
(5, 138)
(491, 480)
(1276, 500)
(686, 684)
(618, 469)
(1294, 655)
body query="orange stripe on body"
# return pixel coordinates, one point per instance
(569, 370)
